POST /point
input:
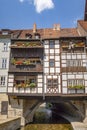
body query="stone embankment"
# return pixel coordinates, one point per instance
(75, 122)
(10, 124)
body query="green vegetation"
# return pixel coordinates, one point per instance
(32, 85)
(25, 85)
(76, 87)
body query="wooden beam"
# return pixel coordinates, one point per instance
(85, 15)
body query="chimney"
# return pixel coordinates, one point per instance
(56, 27)
(85, 15)
(34, 28)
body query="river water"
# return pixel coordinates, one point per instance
(44, 119)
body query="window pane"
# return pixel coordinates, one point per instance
(2, 81)
(75, 82)
(51, 44)
(49, 82)
(55, 82)
(52, 83)
(51, 63)
(74, 63)
(4, 63)
(69, 82)
(5, 47)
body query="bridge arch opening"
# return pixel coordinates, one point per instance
(67, 110)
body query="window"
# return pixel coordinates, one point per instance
(5, 33)
(2, 80)
(49, 82)
(52, 83)
(51, 45)
(25, 79)
(28, 36)
(4, 63)
(5, 47)
(37, 37)
(74, 82)
(74, 63)
(51, 63)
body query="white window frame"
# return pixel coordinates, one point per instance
(5, 46)
(4, 63)
(74, 82)
(51, 44)
(74, 63)
(51, 63)
(2, 80)
(52, 83)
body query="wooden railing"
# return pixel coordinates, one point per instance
(74, 69)
(26, 68)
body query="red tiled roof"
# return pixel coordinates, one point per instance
(69, 32)
(50, 33)
(83, 24)
(11, 33)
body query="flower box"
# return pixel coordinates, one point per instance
(76, 87)
(25, 85)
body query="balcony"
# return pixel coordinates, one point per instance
(73, 47)
(26, 65)
(76, 89)
(74, 69)
(26, 45)
(25, 82)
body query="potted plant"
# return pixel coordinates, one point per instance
(13, 61)
(76, 87)
(79, 87)
(70, 87)
(32, 85)
(18, 62)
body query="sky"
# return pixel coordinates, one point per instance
(22, 14)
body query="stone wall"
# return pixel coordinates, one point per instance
(3, 98)
(11, 124)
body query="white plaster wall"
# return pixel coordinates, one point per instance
(64, 90)
(79, 56)
(57, 50)
(46, 64)
(10, 89)
(57, 70)
(46, 70)
(39, 90)
(4, 54)
(40, 83)
(51, 70)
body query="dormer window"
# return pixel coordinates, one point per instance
(37, 36)
(5, 33)
(28, 36)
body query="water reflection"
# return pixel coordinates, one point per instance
(44, 119)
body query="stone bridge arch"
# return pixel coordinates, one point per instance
(74, 109)
(26, 107)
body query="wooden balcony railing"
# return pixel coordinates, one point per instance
(27, 45)
(74, 69)
(26, 68)
(76, 46)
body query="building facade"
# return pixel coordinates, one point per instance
(48, 66)
(43, 62)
